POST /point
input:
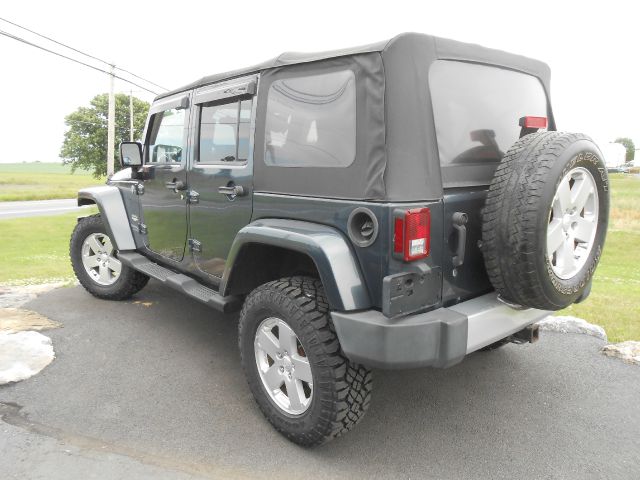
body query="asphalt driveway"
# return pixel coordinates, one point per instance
(152, 388)
(34, 208)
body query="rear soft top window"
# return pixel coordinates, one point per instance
(476, 111)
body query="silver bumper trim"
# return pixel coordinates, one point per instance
(490, 320)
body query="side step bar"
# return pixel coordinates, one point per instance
(181, 282)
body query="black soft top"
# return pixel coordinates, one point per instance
(443, 47)
(397, 155)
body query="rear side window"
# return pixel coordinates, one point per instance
(311, 121)
(224, 132)
(476, 111)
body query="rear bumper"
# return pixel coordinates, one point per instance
(439, 338)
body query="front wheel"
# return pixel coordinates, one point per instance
(96, 265)
(292, 360)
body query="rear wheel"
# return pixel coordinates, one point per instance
(292, 360)
(545, 220)
(96, 265)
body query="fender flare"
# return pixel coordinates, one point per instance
(113, 213)
(326, 246)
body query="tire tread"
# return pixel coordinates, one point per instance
(510, 218)
(351, 384)
(130, 282)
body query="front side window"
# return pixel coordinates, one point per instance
(476, 110)
(224, 132)
(167, 137)
(311, 121)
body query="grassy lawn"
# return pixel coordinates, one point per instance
(614, 302)
(38, 251)
(41, 181)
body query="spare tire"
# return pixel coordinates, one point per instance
(545, 220)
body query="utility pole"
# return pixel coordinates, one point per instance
(131, 116)
(111, 124)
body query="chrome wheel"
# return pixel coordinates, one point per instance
(283, 366)
(573, 222)
(98, 259)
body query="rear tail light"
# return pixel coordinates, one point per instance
(533, 122)
(411, 234)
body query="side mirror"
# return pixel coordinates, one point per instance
(130, 154)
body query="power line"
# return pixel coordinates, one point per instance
(19, 39)
(134, 75)
(52, 40)
(82, 53)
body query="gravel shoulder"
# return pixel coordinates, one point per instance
(156, 381)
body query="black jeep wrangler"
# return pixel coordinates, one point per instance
(397, 205)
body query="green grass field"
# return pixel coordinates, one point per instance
(37, 251)
(614, 302)
(41, 181)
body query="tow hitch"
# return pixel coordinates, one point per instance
(529, 334)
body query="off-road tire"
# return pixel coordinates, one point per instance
(342, 389)
(517, 213)
(128, 283)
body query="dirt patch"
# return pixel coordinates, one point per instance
(18, 320)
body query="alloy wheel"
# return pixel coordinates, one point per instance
(99, 261)
(283, 366)
(573, 222)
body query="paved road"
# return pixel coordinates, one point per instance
(151, 388)
(35, 208)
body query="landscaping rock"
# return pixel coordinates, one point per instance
(23, 351)
(628, 351)
(567, 324)
(23, 354)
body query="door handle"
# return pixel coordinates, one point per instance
(459, 221)
(176, 185)
(232, 191)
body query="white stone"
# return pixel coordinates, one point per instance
(567, 324)
(628, 351)
(18, 295)
(23, 354)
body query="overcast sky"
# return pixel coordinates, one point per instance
(592, 48)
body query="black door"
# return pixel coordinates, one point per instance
(163, 203)
(220, 179)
